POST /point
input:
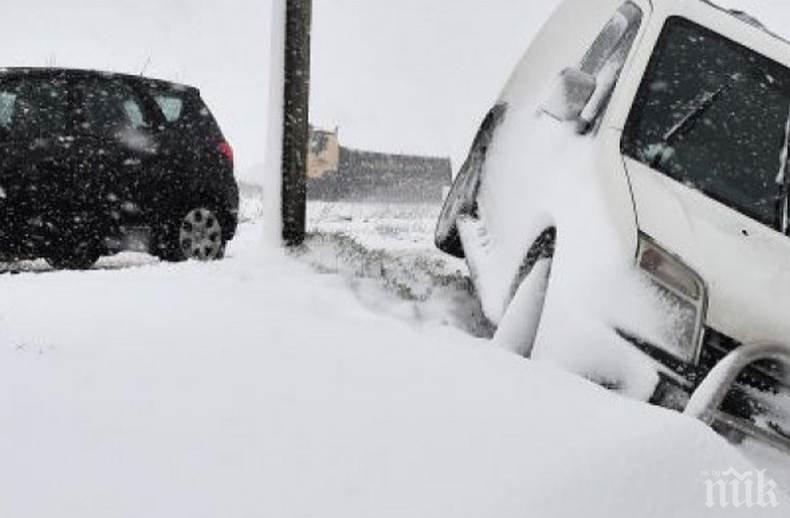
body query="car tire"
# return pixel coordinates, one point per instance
(518, 329)
(197, 233)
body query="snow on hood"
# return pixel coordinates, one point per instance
(256, 387)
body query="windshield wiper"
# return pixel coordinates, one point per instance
(690, 120)
(687, 123)
(783, 181)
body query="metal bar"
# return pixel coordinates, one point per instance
(296, 120)
(709, 396)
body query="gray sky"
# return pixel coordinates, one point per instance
(415, 75)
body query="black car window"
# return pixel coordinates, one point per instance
(7, 107)
(111, 108)
(171, 106)
(714, 115)
(33, 108)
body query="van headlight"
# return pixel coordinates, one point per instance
(681, 291)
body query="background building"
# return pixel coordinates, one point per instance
(336, 173)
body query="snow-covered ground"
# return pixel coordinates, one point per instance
(390, 246)
(352, 379)
(264, 386)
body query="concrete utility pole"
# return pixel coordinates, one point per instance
(296, 111)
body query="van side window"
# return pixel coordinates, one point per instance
(713, 115)
(606, 57)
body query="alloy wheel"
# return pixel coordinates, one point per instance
(200, 235)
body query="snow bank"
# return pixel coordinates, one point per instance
(255, 387)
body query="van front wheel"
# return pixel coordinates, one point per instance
(519, 327)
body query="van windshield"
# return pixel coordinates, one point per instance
(714, 115)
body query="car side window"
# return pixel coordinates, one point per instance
(7, 106)
(616, 36)
(110, 108)
(33, 108)
(606, 57)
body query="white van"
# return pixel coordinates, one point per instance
(624, 208)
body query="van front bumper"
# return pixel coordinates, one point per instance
(705, 390)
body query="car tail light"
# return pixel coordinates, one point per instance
(226, 150)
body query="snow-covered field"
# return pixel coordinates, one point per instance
(274, 386)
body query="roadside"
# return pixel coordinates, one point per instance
(390, 246)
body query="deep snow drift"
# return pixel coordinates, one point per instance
(258, 387)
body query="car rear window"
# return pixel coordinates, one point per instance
(32, 108)
(171, 106)
(183, 110)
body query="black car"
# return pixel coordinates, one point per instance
(93, 163)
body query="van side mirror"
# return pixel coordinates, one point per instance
(570, 94)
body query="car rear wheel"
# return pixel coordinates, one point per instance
(197, 234)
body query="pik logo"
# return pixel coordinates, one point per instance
(731, 489)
